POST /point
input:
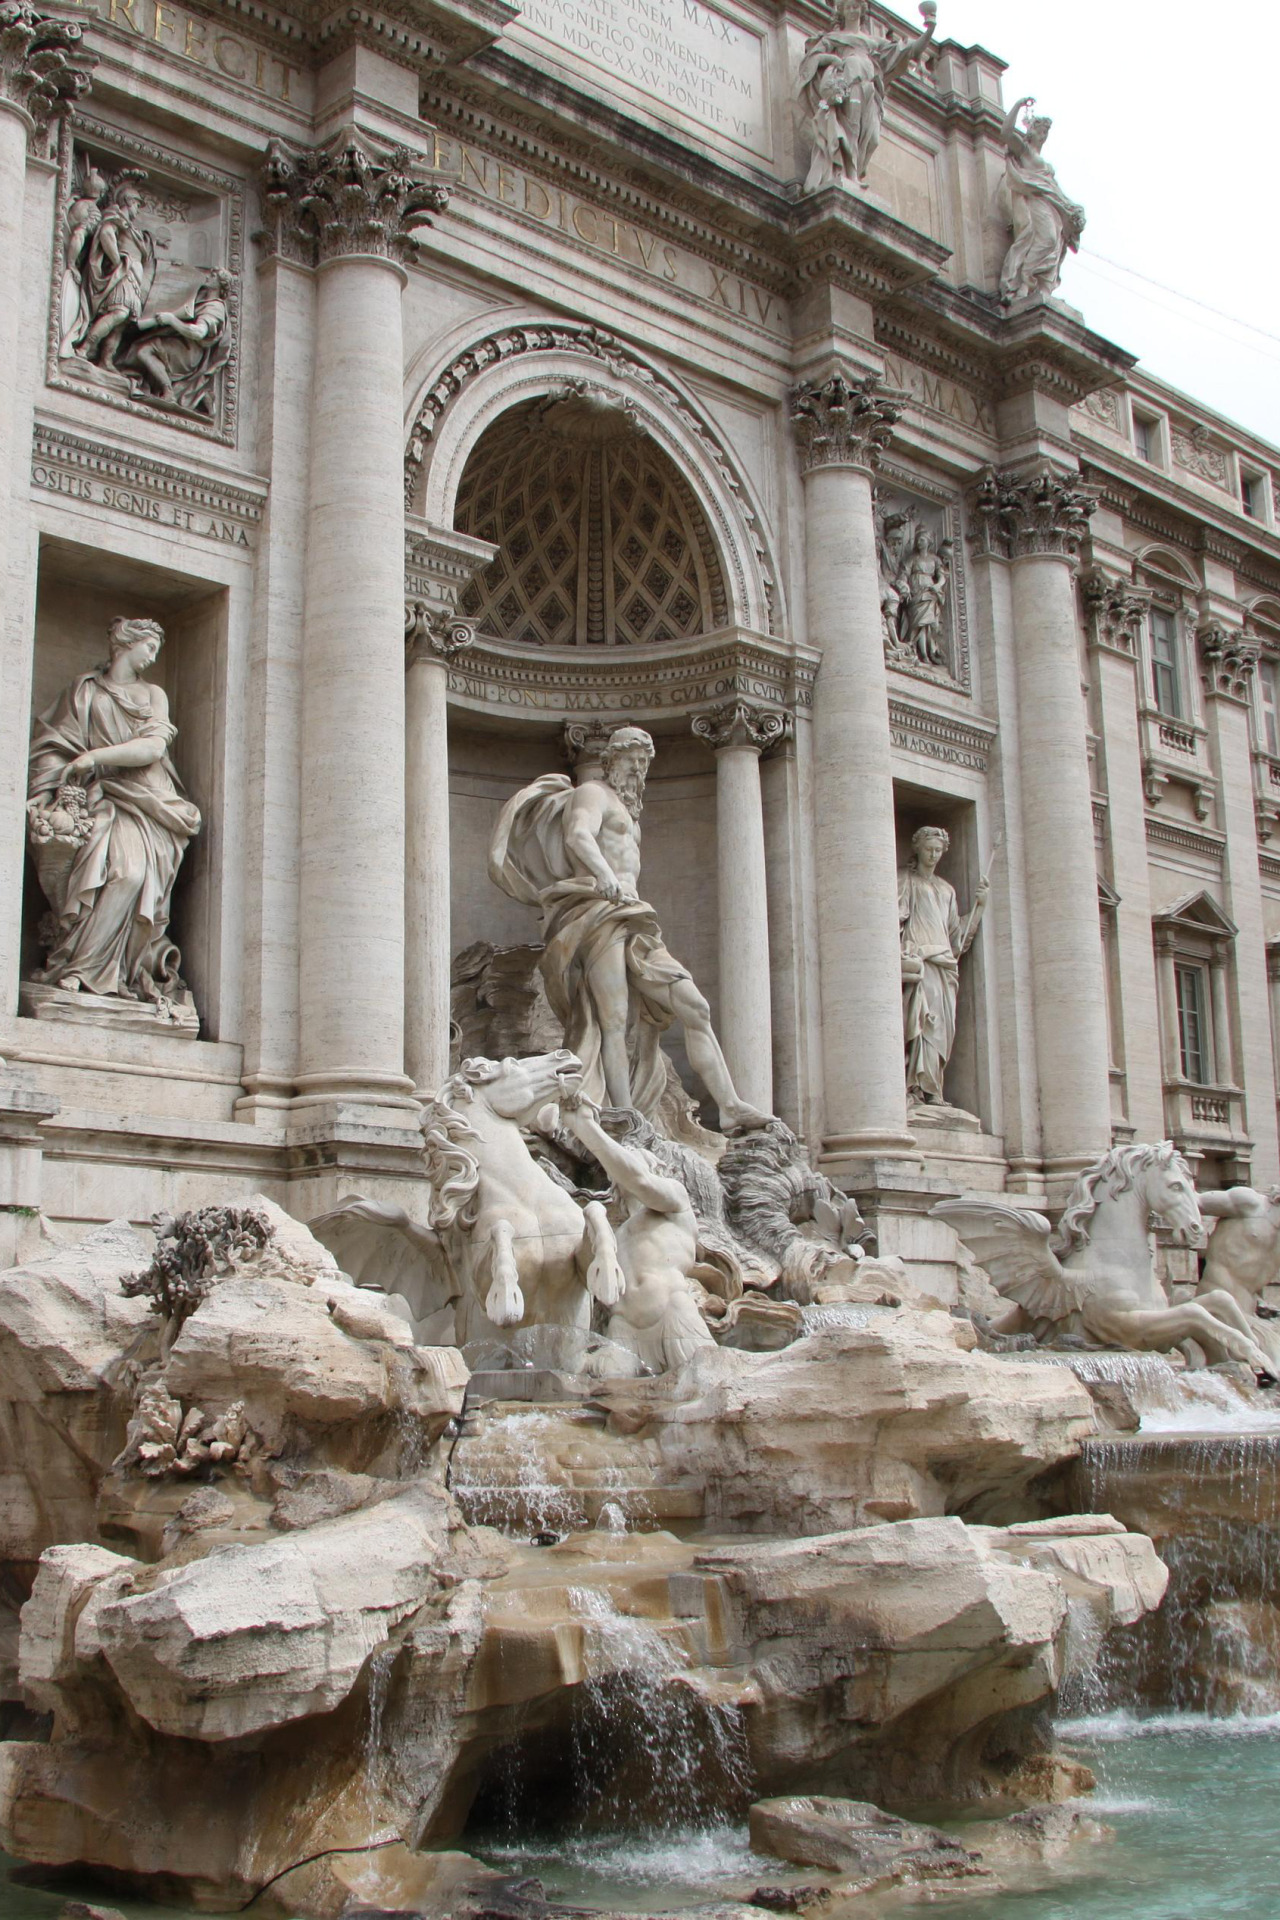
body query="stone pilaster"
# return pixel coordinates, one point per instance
(1035, 521)
(1114, 612)
(433, 636)
(45, 67)
(1228, 658)
(738, 733)
(842, 426)
(347, 211)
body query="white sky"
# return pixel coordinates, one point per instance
(1164, 128)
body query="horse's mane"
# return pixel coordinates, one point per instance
(453, 1173)
(1106, 1179)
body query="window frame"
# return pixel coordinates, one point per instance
(1199, 1051)
(1173, 665)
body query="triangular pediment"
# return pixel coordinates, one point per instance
(1197, 913)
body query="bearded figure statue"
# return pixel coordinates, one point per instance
(574, 853)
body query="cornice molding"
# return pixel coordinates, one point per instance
(652, 685)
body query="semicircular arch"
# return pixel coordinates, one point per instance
(502, 367)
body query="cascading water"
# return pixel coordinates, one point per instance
(1211, 1503)
(646, 1785)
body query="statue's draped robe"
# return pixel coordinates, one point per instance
(842, 86)
(1045, 225)
(529, 861)
(932, 932)
(111, 901)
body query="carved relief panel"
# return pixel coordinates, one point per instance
(145, 300)
(922, 600)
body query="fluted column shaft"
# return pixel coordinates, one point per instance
(738, 734)
(842, 427)
(1036, 521)
(346, 209)
(431, 641)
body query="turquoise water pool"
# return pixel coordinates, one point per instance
(1194, 1803)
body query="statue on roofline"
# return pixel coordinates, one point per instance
(844, 76)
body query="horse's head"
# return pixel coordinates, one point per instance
(519, 1089)
(1169, 1191)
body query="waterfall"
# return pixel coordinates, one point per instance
(1211, 1503)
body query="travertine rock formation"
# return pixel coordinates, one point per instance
(889, 1417)
(276, 1670)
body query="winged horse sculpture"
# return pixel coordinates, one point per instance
(1095, 1276)
(504, 1244)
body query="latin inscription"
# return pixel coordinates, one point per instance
(509, 186)
(201, 42)
(690, 59)
(138, 505)
(937, 395)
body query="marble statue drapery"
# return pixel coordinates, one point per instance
(111, 898)
(529, 861)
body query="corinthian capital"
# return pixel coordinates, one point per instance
(357, 195)
(1015, 514)
(1115, 609)
(44, 65)
(845, 421)
(1229, 657)
(740, 724)
(433, 633)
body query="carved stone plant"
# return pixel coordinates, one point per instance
(192, 1253)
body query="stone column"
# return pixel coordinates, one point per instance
(1036, 521)
(44, 69)
(842, 426)
(1229, 657)
(1114, 609)
(432, 638)
(738, 734)
(347, 209)
(1273, 985)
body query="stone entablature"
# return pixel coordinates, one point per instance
(652, 686)
(145, 488)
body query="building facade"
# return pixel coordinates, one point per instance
(453, 381)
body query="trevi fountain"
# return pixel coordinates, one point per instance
(638, 1126)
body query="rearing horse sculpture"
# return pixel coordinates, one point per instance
(1096, 1276)
(504, 1244)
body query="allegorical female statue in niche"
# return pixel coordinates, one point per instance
(109, 825)
(934, 940)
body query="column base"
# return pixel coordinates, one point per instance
(347, 1086)
(23, 1111)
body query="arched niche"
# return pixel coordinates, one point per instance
(540, 365)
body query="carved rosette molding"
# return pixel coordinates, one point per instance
(356, 195)
(1115, 610)
(1015, 515)
(44, 65)
(740, 724)
(433, 633)
(845, 421)
(1228, 657)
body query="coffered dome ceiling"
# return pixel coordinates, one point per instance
(602, 542)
